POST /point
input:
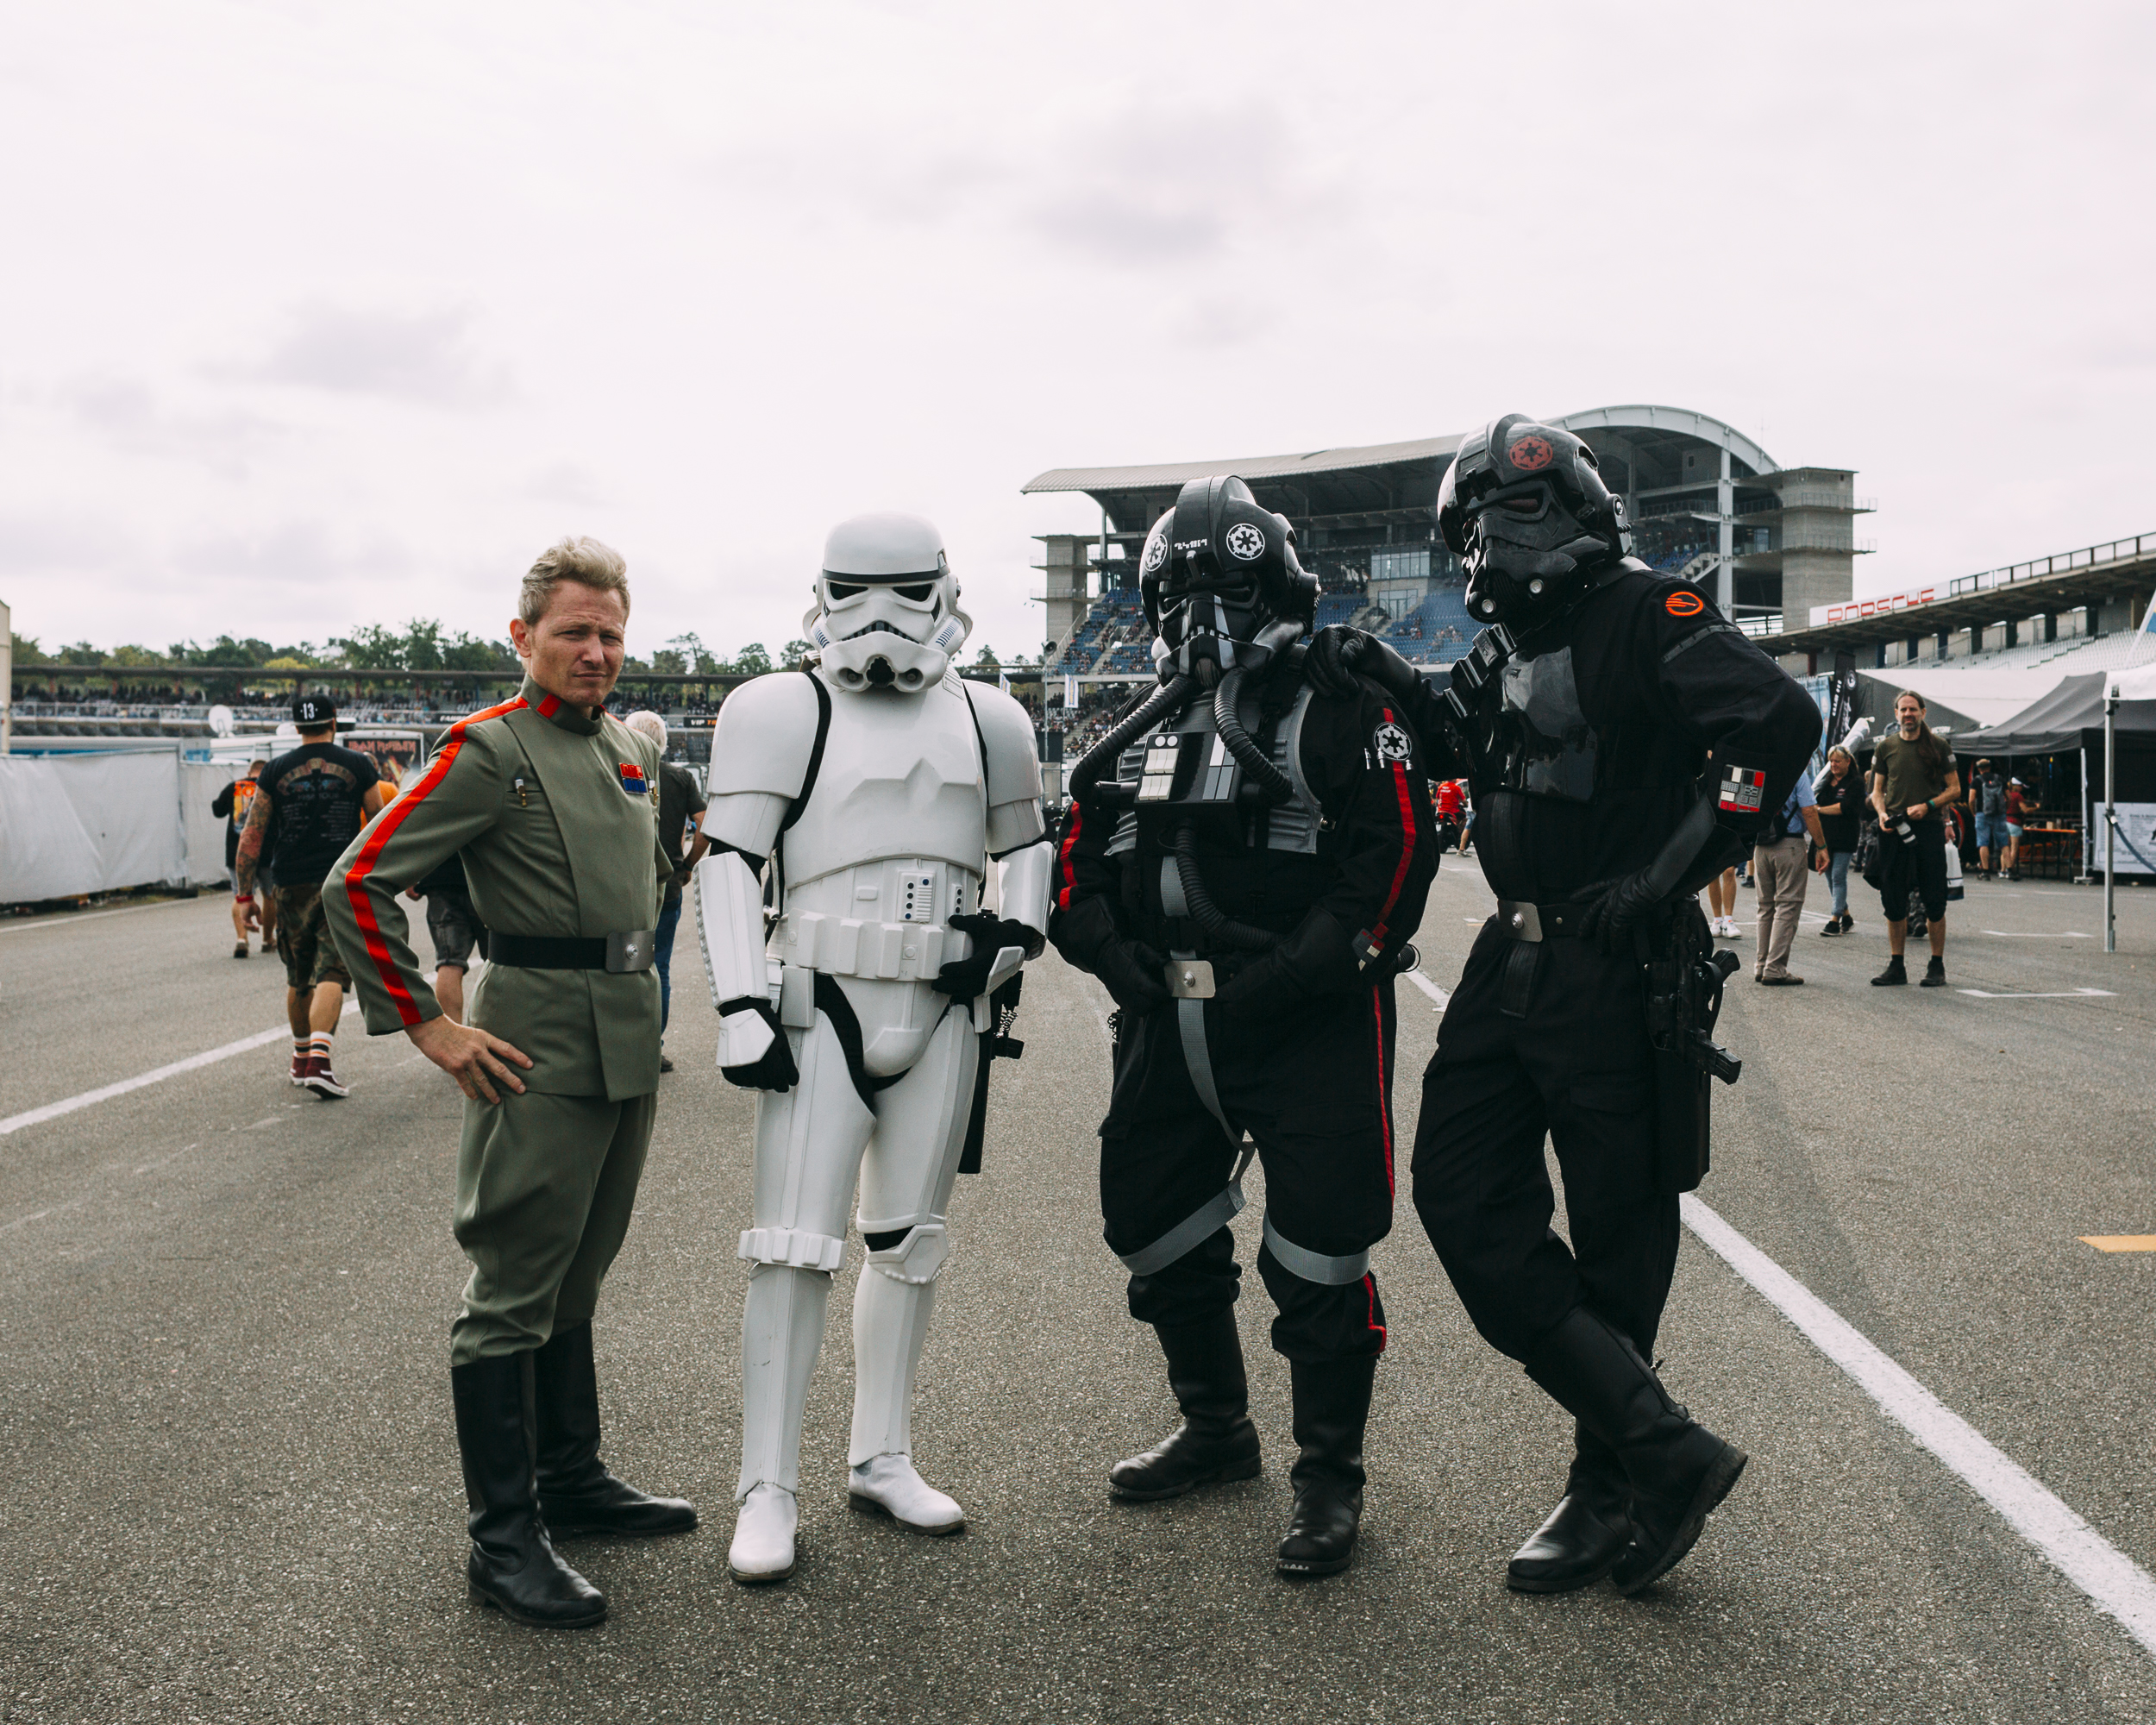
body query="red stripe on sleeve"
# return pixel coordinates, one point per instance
(1406, 841)
(384, 827)
(1064, 867)
(1384, 1094)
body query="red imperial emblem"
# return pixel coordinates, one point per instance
(1530, 455)
(1684, 605)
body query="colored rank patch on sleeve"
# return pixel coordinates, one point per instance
(633, 780)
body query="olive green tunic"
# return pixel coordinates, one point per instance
(557, 841)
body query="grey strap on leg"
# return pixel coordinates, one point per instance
(1328, 1272)
(1219, 1210)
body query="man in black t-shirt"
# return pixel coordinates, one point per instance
(680, 804)
(314, 801)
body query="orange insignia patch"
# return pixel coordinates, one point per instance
(1684, 605)
(1530, 455)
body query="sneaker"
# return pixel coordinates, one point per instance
(322, 1081)
(1833, 926)
(1935, 974)
(1786, 980)
(1894, 976)
(665, 1064)
(239, 948)
(302, 1061)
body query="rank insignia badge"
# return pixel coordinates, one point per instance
(633, 779)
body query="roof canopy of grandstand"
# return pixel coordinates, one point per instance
(1709, 503)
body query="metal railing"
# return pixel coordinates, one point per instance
(2092, 556)
(1804, 498)
(1758, 627)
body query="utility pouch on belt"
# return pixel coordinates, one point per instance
(1684, 976)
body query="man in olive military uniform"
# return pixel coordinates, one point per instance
(552, 804)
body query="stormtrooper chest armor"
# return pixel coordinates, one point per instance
(891, 841)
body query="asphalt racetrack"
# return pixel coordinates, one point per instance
(230, 1489)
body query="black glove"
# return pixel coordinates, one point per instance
(1329, 666)
(1133, 974)
(1615, 906)
(774, 1069)
(964, 978)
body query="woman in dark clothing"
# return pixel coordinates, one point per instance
(1838, 792)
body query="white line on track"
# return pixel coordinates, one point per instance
(2069, 994)
(2017, 934)
(2116, 1584)
(53, 1111)
(69, 919)
(1429, 988)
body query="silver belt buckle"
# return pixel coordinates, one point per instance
(631, 952)
(1190, 979)
(1520, 921)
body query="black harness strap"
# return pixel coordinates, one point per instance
(831, 1001)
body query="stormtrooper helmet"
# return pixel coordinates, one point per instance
(886, 614)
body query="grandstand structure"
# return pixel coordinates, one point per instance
(1709, 503)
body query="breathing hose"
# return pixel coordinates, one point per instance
(1168, 698)
(1208, 915)
(1261, 771)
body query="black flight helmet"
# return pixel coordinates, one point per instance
(1524, 505)
(1219, 571)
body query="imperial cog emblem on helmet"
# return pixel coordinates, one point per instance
(1246, 541)
(1155, 552)
(1530, 455)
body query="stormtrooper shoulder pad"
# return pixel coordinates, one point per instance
(1006, 742)
(769, 730)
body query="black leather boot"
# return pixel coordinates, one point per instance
(1332, 1405)
(1678, 1469)
(577, 1494)
(512, 1563)
(1585, 1534)
(1216, 1441)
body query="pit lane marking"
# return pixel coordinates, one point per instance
(2069, 994)
(1429, 988)
(2018, 934)
(193, 1063)
(2119, 1242)
(2116, 1584)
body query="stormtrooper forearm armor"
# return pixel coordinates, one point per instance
(729, 912)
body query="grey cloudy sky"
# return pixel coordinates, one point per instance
(316, 316)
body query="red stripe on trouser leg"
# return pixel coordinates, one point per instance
(1384, 1091)
(1369, 1287)
(385, 826)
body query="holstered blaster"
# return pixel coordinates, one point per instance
(1684, 997)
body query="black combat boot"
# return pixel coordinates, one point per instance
(577, 1494)
(1216, 1441)
(1678, 1469)
(512, 1563)
(1934, 974)
(1332, 1405)
(1585, 1534)
(1893, 976)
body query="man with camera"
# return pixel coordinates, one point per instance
(1913, 778)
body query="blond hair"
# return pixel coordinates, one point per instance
(581, 560)
(647, 723)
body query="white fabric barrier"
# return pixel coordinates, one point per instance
(199, 783)
(75, 824)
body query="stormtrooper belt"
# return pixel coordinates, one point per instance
(1190, 982)
(620, 953)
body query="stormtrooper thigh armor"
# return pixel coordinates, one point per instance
(812, 1143)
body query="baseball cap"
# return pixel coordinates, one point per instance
(314, 712)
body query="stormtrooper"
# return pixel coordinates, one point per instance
(878, 788)
(1243, 863)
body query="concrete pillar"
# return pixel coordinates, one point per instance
(1946, 640)
(1725, 545)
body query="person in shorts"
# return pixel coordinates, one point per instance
(1987, 802)
(2021, 802)
(456, 929)
(313, 800)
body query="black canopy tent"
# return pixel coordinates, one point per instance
(2069, 722)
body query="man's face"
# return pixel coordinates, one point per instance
(575, 651)
(1909, 715)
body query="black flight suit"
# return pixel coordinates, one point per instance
(1303, 1062)
(1584, 753)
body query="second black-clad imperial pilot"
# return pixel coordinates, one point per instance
(1584, 717)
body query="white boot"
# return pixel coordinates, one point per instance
(888, 1483)
(781, 1331)
(764, 1536)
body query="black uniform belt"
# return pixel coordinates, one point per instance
(620, 953)
(1522, 921)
